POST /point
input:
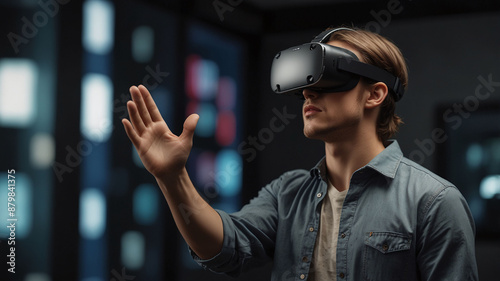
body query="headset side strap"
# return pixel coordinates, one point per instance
(374, 73)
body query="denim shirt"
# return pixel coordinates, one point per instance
(399, 222)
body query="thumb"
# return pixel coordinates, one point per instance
(190, 126)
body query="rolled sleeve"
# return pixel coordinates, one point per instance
(249, 236)
(223, 261)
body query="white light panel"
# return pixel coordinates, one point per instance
(133, 250)
(490, 187)
(18, 78)
(96, 114)
(42, 150)
(143, 43)
(92, 222)
(98, 26)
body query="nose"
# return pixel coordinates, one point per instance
(309, 94)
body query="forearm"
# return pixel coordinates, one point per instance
(199, 224)
(162, 152)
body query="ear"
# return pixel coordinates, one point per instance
(378, 93)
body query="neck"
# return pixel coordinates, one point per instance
(344, 157)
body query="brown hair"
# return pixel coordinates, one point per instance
(379, 51)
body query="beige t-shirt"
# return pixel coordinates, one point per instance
(323, 264)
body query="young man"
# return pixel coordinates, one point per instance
(364, 212)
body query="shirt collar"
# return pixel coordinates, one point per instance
(385, 163)
(319, 169)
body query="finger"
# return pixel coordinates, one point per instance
(132, 135)
(189, 127)
(135, 117)
(141, 106)
(150, 104)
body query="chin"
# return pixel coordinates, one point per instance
(311, 133)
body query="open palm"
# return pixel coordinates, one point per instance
(161, 151)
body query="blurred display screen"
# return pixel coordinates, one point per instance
(470, 158)
(213, 90)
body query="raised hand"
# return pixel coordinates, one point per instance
(162, 152)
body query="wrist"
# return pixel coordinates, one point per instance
(172, 176)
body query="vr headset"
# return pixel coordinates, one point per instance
(325, 68)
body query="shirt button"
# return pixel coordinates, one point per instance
(319, 195)
(311, 229)
(342, 235)
(385, 247)
(302, 276)
(305, 259)
(342, 275)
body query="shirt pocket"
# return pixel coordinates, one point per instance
(386, 256)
